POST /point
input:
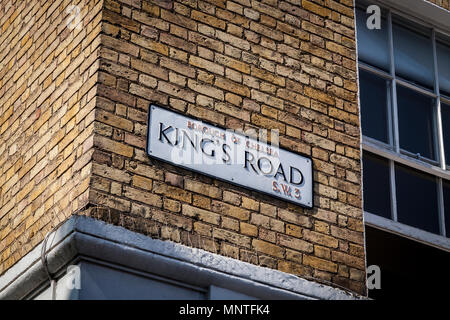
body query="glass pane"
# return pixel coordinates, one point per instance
(376, 185)
(413, 54)
(443, 57)
(447, 207)
(417, 199)
(373, 45)
(445, 113)
(374, 106)
(416, 123)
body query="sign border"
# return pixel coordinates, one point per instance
(148, 152)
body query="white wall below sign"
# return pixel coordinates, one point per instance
(229, 156)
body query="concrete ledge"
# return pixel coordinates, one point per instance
(86, 237)
(428, 12)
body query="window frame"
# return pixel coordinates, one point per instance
(392, 152)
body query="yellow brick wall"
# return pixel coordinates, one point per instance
(287, 65)
(239, 64)
(47, 98)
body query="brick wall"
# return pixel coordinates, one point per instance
(47, 98)
(286, 65)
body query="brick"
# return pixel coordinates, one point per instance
(348, 260)
(201, 201)
(148, 81)
(151, 9)
(356, 250)
(177, 79)
(113, 120)
(231, 197)
(174, 179)
(206, 114)
(293, 268)
(206, 42)
(296, 244)
(267, 9)
(206, 90)
(177, 66)
(267, 76)
(320, 264)
(172, 219)
(319, 141)
(231, 224)
(267, 99)
(111, 173)
(172, 192)
(150, 44)
(177, 43)
(113, 146)
(293, 97)
(349, 235)
(232, 63)
(320, 238)
(248, 229)
(267, 123)
(233, 111)
(251, 14)
(207, 19)
(150, 69)
(202, 188)
(172, 205)
(142, 196)
(266, 31)
(235, 41)
(232, 86)
(232, 237)
(232, 211)
(315, 8)
(203, 229)
(178, 20)
(115, 18)
(268, 248)
(176, 91)
(294, 230)
(207, 65)
(294, 218)
(250, 204)
(200, 214)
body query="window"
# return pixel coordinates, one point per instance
(377, 197)
(404, 81)
(374, 101)
(374, 44)
(413, 54)
(417, 198)
(443, 61)
(416, 122)
(446, 185)
(446, 130)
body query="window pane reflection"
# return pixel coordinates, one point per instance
(374, 106)
(416, 123)
(413, 54)
(376, 185)
(417, 199)
(447, 207)
(373, 45)
(445, 113)
(443, 60)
